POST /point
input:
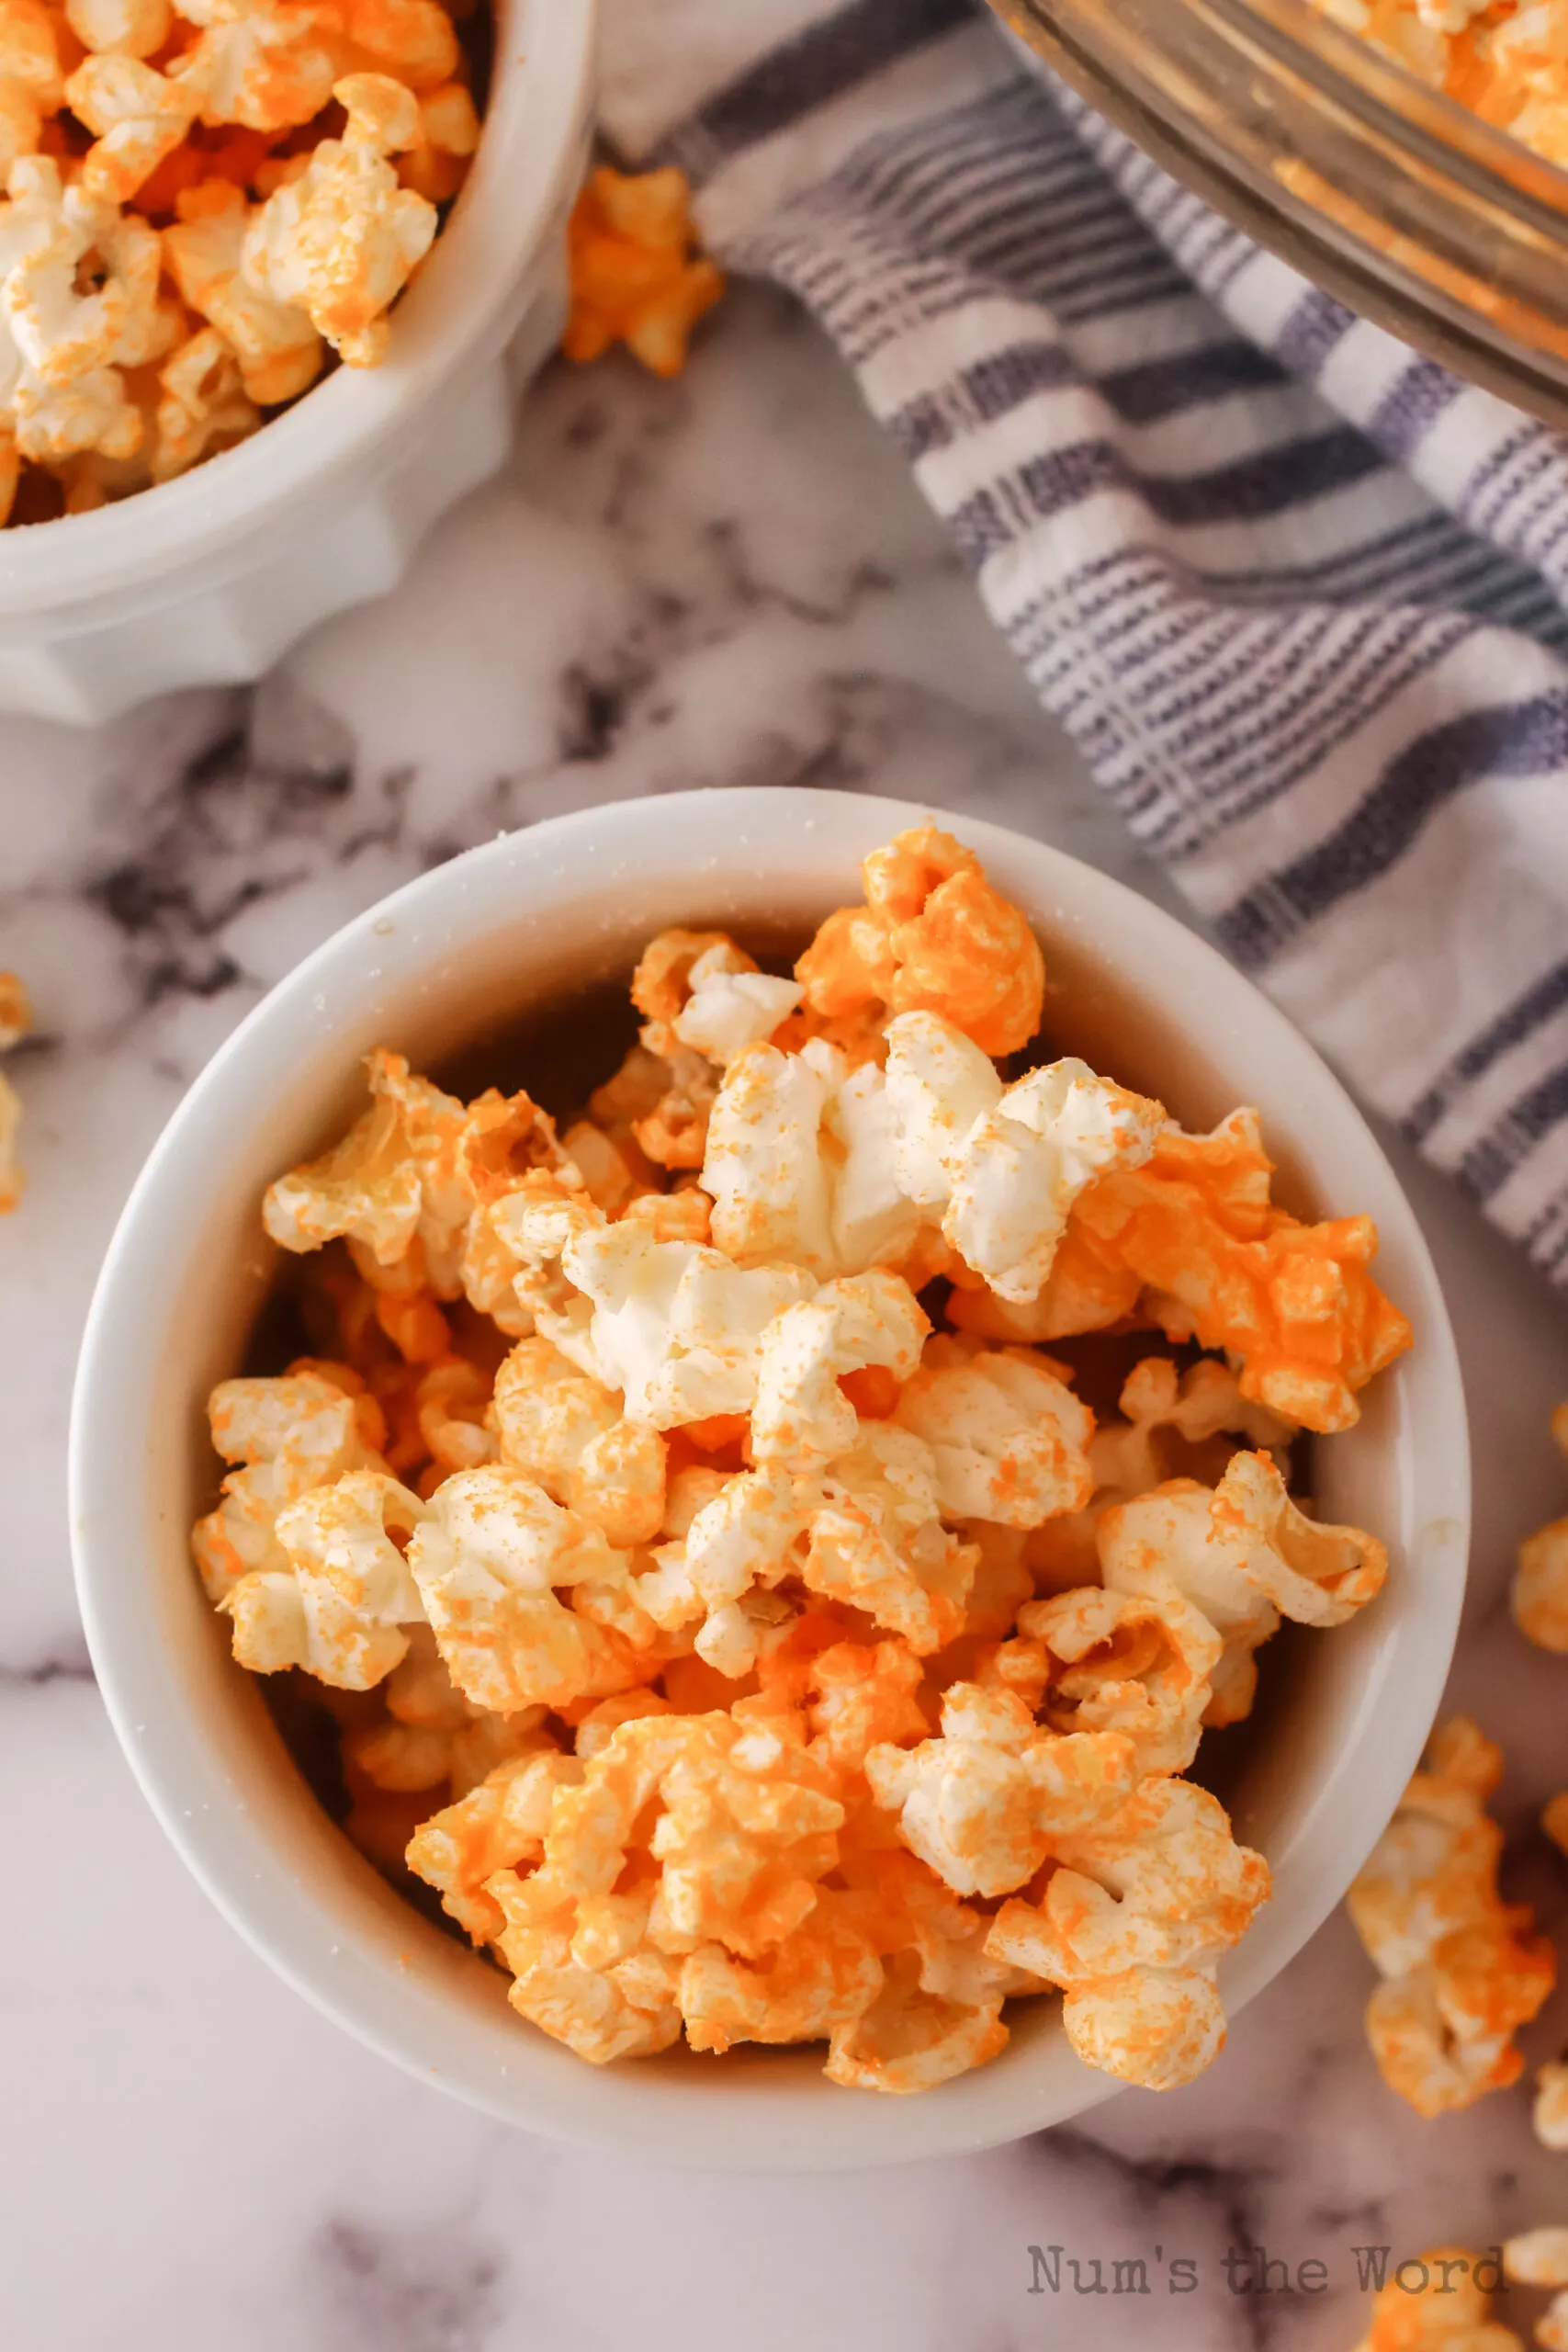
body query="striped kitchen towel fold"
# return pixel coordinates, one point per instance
(1299, 596)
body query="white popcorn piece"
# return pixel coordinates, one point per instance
(279, 350)
(203, 401)
(764, 1169)
(801, 1414)
(1549, 2112)
(120, 28)
(565, 1429)
(340, 1608)
(78, 301)
(289, 1434)
(1007, 1437)
(800, 1164)
(744, 1534)
(263, 63)
(675, 1327)
(985, 1802)
(878, 1542)
(138, 116)
(489, 1557)
(1242, 1554)
(731, 1004)
(1127, 1663)
(1005, 1165)
(1195, 1404)
(343, 239)
(1540, 2259)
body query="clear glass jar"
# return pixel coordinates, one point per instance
(1388, 194)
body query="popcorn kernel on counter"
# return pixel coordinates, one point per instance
(184, 228)
(769, 1639)
(1461, 1969)
(637, 276)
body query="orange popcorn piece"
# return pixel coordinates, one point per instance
(636, 275)
(496, 1826)
(933, 936)
(1294, 1302)
(1461, 1969)
(690, 1837)
(819, 1982)
(1443, 2312)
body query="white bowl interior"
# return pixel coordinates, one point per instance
(463, 952)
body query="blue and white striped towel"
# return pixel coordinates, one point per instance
(1299, 596)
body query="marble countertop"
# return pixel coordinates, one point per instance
(729, 579)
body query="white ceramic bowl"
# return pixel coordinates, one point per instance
(206, 580)
(463, 950)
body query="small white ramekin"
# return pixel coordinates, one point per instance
(206, 580)
(453, 957)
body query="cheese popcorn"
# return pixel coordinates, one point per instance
(1446, 2312)
(1550, 2114)
(1004, 1166)
(1140, 1906)
(495, 1827)
(675, 1327)
(1243, 1556)
(558, 1424)
(720, 1598)
(429, 1735)
(1293, 1302)
(277, 349)
(1540, 2259)
(1505, 61)
(136, 139)
(933, 936)
(635, 277)
(800, 1162)
(408, 1182)
(15, 1020)
(1007, 1437)
(340, 1607)
(489, 1554)
(801, 1413)
(308, 1429)
(343, 240)
(1461, 1969)
(980, 1804)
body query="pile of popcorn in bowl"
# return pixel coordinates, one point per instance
(768, 1550)
(1506, 59)
(206, 202)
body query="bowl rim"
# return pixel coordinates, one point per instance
(181, 1777)
(458, 304)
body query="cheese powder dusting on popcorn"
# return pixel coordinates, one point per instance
(197, 203)
(755, 1634)
(1463, 1969)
